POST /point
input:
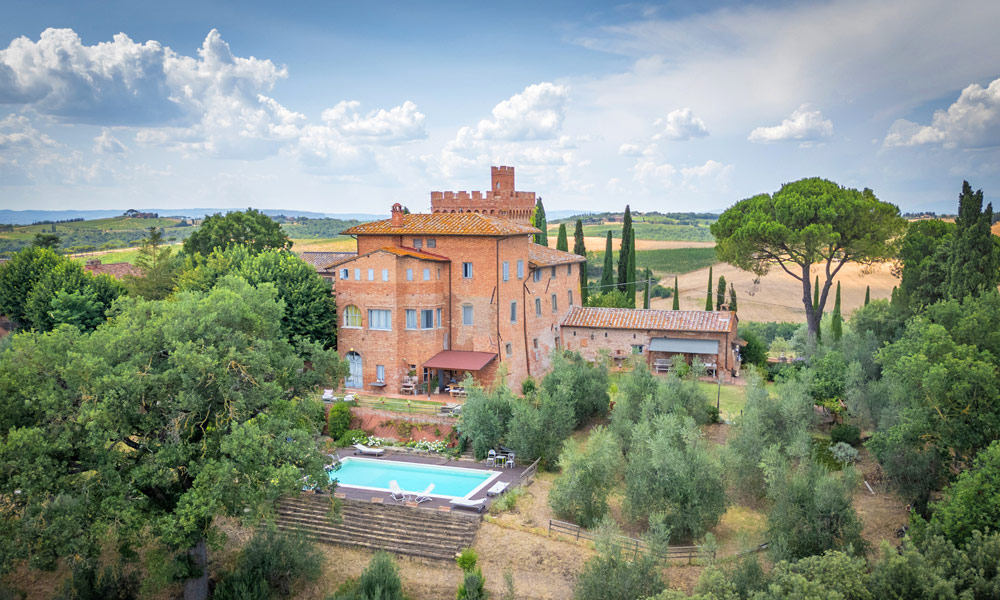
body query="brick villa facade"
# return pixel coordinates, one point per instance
(461, 290)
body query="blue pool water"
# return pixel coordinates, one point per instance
(375, 474)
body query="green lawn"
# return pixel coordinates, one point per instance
(731, 399)
(697, 232)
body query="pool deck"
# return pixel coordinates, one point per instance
(506, 475)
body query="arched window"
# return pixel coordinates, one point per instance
(352, 316)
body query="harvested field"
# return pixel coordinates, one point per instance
(597, 244)
(778, 296)
(337, 244)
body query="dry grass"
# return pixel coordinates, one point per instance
(598, 244)
(337, 244)
(778, 296)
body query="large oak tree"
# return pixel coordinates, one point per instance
(808, 222)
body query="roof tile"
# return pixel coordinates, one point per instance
(321, 260)
(544, 256)
(443, 224)
(663, 320)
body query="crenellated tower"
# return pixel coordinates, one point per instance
(500, 201)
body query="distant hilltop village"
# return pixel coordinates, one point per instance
(500, 201)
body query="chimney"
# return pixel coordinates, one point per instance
(724, 307)
(397, 215)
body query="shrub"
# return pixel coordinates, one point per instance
(538, 427)
(467, 559)
(89, 583)
(843, 453)
(352, 436)
(380, 580)
(972, 502)
(338, 421)
(271, 564)
(507, 501)
(755, 351)
(848, 434)
(472, 586)
(528, 386)
(611, 575)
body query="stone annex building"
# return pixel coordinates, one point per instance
(465, 290)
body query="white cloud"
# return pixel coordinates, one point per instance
(680, 125)
(18, 134)
(972, 121)
(711, 169)
(107, 143)
(803, 125)
(400, 124)
(632, 150)
(537, 113)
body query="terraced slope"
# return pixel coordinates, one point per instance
(405, 530)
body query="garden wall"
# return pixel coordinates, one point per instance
(401, 426)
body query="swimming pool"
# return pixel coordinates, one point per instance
(375, 474)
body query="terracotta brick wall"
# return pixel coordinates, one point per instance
(386, 424)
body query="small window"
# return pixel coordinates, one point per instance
(345, 274)
(520, 270)
(509, 348)
(352, 316)
(534, 343)
(555, 303)
(357, 274)
(570, 293)
(371, 274)
(432, 243)
(553, 272)
(427, 318)
(409, 274)
(437, 321)
(569, 269)
(418, 243)
(505, 267)
(537, 275)
(538, 306)
(380, 319)
(427, 274)
(380, 373)
(385, 274)
(513, 311)
(636, 348)
(557, 341)
(467, 270)
(411, 318)
(467, 314)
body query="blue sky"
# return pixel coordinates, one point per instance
(348, 107)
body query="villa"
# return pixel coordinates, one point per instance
(430, 298)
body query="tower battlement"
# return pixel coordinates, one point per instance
(500, 201)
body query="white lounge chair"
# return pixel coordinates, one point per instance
(328, 394)
(396, 492)
(425, 495)
(362, 449)
(476, 505)
(497, 489)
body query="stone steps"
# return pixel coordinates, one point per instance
(405, 530)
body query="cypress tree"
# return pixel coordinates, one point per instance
(579, 248)
(720, 293)
(677, 295)
(837, 327)
(561, 242)
(816, 295)
(630, 273)
(708, 299)
(607, 273)
(868, 294)
(626, 248)
(645, 288)
(732, 297)
(538, 220)
(974, 264)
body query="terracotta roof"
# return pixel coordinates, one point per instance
(116, 270)
(543, 256)
(663, 320)
(443, 224)
(321, 260)
(398, 251)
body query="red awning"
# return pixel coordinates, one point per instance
(460, 360)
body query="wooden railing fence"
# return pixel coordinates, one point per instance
(632, 544)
